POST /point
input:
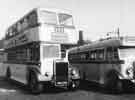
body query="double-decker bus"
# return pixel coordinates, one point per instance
(110, 62)
(35, 48)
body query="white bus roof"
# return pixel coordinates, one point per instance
(53, 10)
(114, 42)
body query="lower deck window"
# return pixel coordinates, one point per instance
(23, 54)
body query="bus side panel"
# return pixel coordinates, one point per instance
(92, 72)
(104, 69)
(12, 69)
(89, 72)
(18, 72)
(47, 69)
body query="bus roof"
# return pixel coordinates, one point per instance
(53, 10)
(113, 42)
(38, 9)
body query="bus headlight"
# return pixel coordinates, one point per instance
(47, 74)
(74, 73)
(129, 72)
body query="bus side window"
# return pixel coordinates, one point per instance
(92, 55)
(87, 55)
(112, 54)
(73, 57)
(115, 54)
(35, 54)
(76, 56)
(70, 57)
(109, 54)
(84, 55)
(100, 54)
(10, 34)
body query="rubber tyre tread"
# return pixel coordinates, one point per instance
(113, 84)
(37, 87)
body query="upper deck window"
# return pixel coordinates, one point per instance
(47, 17)
(65, 19)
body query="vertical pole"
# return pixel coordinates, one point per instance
(80, 41)
(118, 33)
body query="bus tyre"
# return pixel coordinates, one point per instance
(35, 86)
(113, 83)
(8, 73)
(119, 86)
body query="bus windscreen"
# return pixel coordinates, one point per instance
(50, 51)
(126, 53)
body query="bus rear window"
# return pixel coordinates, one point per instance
(51, 51)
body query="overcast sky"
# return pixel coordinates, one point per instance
(94, 17)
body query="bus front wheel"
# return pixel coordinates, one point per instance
(35, 86)
(113, 83)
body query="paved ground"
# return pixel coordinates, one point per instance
(10, 90)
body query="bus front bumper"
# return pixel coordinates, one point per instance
(43, 78)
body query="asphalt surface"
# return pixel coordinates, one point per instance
(11, 90)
